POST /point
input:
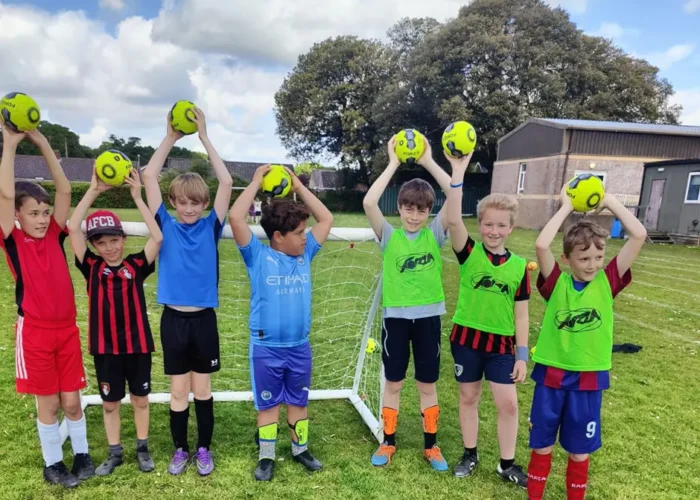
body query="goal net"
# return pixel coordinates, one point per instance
(346, 291)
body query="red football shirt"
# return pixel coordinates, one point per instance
(43, 290)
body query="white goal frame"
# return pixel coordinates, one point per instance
(352, 395)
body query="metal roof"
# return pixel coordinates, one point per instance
(605, 126)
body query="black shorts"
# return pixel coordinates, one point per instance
(114, 370)
(472, 365)
(190, 341)
(397, 337)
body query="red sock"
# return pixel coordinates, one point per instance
(537, 472)
(576, 479)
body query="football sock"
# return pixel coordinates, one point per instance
(77, 431)
(301, 429)
(537, 473)
(50, 438)
(178, 428)
(205, 421)
(506, 464)
(268, 439)
(576, 479)
(390, 418)
(470, 452)
(430, 426)
(141, 444)
(116, 450)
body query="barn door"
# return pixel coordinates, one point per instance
(651, 218)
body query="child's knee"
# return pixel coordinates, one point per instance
(544, 451)
(578, 457)
(71, 407)
(139, 402)
(508, 407)
(110, 407)
(469, 396)
(179, 394)
(426, 390)
(393, 387)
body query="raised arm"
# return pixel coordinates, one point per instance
(155, 165)
(543, 245)
(323, 216)
(374, 193)
(61, 204)
(636, 233)
(458, 232)
(223, 192)
(77, 239)
(7, 179)
(154, 242)
(440, 176)
(239, 210)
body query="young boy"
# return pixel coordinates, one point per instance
(280, 313)
(413, 299)
(489, 336)
(574, 350)
(120, 338)
(188, 280)
(49, 362)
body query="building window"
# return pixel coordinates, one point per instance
(600, 175)
(692, 192)
(521, 178)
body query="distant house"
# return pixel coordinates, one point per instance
(34, 168)
(670, 202)
(241, 169)
(322, 179)
(538, 157)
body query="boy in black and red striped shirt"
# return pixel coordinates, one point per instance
(120, 337)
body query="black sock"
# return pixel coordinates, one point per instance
(142, 444)
(116, 449)
(205, 421)
(470, 451)
(178, 428)
(429, 440)
(506, 464)
(390, 439)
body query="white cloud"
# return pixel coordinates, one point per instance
(573, 6)
(692, 6)
(614, 31)
(97, 134)
(115, 5)
(690, 100)
(677, 53)
(280, 30)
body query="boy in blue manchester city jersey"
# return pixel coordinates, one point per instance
(280, 313)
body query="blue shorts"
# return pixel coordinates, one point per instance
(280, 375)
(472, 365)
(575, 415)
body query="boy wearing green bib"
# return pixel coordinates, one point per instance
(490, 322)
(574, 349)
(413, 300)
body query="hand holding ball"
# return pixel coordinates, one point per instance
(113, 167)
(277, 182)
(20, 112)
(585, 191)
(459, 139)
(410, 145)
(182, 117)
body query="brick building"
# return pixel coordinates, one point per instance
(537, 158)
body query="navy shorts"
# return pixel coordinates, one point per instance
(399, 335)
(574, 415)
(280, 375)
(472, 365)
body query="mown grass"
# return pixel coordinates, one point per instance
(650, 427)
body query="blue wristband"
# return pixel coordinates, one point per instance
(457, 185)
(522, 353)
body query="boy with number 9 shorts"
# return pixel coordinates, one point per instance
(573, 354)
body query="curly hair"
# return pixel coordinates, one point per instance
(27, 189)
(584, 234)
(283, 216)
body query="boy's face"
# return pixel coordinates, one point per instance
(585, 264)
(292, 243)
(110, 247)
(188, 211)
(34, 217)
(495, 227)
(412, 217)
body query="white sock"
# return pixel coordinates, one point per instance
(78, 435)
(50, 439)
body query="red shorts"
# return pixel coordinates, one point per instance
(48, 360)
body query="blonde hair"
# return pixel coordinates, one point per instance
(498, 201)
(189, 185)
(584, 234)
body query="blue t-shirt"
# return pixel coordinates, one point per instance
(188, 263)
(280, 293)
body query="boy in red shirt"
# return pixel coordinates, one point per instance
(49, 362)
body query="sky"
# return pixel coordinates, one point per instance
(106, 67)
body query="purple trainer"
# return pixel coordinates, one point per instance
(179, 462)
(204, 461)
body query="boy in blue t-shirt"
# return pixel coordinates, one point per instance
(280, 313)
(188, 279)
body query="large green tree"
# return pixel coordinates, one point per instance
(61, 138)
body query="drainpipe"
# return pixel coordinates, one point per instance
(566, 164)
